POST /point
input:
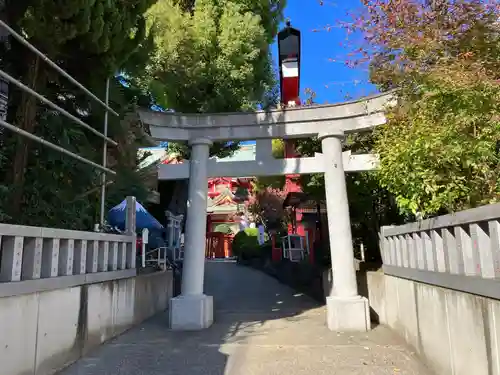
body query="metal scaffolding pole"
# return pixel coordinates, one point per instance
(54, 106)
(24, 42)
(104, 157)
(44, 100)
(42, 141)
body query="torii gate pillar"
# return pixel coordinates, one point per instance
(193, 310)
(346, 310)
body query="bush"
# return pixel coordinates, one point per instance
(246, 244)
(266, 250)
(322, 254)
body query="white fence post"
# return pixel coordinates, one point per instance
(92, 256)
(130, 230)
(113, 256)
(12, 258)
(80, 257)
(50, 257)
(145, 240)
(103, 256)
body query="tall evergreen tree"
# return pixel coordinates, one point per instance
(89, 38)
(214, 58)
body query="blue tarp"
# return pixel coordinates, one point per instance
(116, 217)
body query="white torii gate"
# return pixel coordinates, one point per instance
(346, 310)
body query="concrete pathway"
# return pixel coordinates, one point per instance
(262, 328)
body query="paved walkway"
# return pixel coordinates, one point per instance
(261, 328)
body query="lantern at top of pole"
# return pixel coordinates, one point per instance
(289, 65)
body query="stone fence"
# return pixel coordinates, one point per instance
(34, 259)
(440, 289)
(459, 251)
(64, 292)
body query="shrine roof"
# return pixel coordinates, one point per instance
(156, 155)
(222, 180)
(245, 152)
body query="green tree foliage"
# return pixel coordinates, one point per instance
(215, 58)
(270, 11)
(438, 149)
(91, 39)
(101, 33)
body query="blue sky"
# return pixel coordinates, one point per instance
(317, 47)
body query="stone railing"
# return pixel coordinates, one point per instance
(36, 259)
(459, 251)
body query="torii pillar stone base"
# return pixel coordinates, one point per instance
(348, 314)
(191, 313)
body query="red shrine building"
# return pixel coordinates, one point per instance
(226, 195)
(226, 198)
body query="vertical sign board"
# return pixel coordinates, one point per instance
(261, 235)
(145, 240)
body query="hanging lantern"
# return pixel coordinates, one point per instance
(289, 64)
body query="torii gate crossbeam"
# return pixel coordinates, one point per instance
(266, 165)
(346, 310)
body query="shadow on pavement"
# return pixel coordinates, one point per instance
(245, 301)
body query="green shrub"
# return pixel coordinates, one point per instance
(252, 232)
(237, 243)
(246, 244)
(266, 250)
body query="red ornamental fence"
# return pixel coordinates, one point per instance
(219, 245)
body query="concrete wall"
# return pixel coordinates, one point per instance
(43, 332)
(456, 333)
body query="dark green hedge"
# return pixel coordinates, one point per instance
(246, 244)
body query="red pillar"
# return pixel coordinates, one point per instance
(209, 223)
(292, 185)
(310, 234)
